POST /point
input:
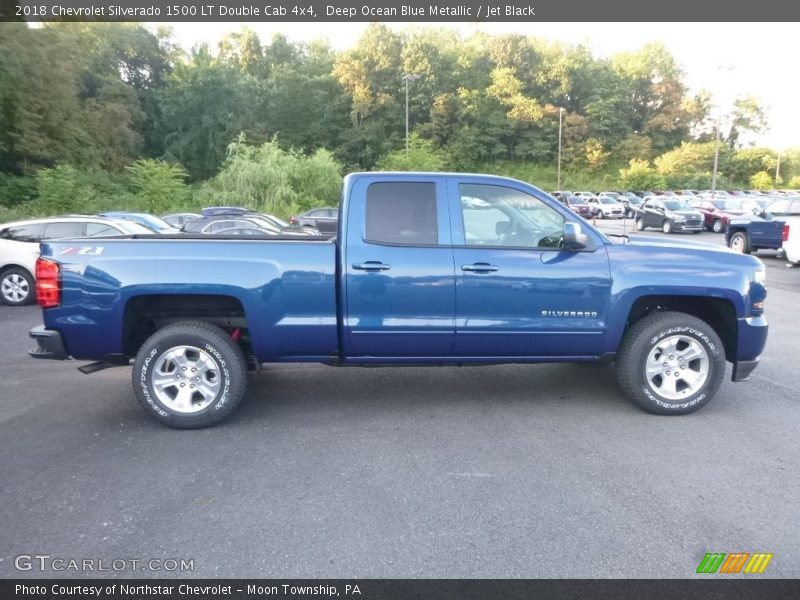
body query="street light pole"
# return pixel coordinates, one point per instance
(560, 114)
(716, 163)
(407, 78)
(716, 143)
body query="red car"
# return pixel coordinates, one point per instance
(717, 212)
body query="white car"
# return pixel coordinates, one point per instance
(791, 240)
(607, 207)
(19, 248)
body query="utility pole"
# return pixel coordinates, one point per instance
(560, 115)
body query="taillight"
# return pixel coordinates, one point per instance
(48, 283)
(785, 232)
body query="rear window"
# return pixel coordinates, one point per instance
(402, 213)
(23, 233)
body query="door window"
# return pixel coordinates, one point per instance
(500, 216)
(63, 230)
(402, 213)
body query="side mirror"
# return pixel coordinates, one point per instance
(502, 227)
(574, 238)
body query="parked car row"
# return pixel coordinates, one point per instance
(19, 247)
(19, 241)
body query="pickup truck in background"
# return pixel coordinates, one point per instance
(763, 231)
(426, 269)
(791, 240)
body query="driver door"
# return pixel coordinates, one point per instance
(518, 294)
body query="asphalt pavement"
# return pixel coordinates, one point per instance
(480, 472)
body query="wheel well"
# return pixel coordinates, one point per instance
(717, 312)
(8, 267)
(144, 315)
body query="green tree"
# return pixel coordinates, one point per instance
(272, 180)
(761, 181)
(421, 156)
(639, 175)
(158, 184)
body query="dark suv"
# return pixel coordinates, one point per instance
(668, 214)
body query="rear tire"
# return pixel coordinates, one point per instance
(17, 287)
(670, 363)
(190, 375)
(718, 226)
(740, 242)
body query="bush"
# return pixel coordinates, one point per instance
(421, 156)
(794, 183)
(158, 185)
(761, 181)
(16, 190)
(641, 176)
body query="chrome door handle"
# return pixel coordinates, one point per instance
(372, 265)
(479, 268)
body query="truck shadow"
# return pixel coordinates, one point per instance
(291, 390)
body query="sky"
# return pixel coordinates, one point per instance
(729, 59)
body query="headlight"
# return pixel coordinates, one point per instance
(679, 219)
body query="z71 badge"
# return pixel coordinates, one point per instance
(82, 251)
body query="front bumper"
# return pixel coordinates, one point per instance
(682, 226)
(50, 344)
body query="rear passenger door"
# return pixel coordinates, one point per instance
(399, 281)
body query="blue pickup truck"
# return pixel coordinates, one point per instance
(763, 231)
(426, 269)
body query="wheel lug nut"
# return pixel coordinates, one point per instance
(676, 373)
(194, 370)
(183, 385)
(183, 368)
(666, 364)
(671, 357)
(668, 373)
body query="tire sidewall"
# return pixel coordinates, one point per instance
(648, 398)
(666, 227)
(218, 409)
(717, 226)
(640, 224)
(31, 287)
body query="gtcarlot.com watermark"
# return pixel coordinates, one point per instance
(58, 564)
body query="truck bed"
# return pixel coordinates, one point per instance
(285, 284)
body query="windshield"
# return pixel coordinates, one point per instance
(675, 204)
(576, 200)
(727, 204)
(607, 200)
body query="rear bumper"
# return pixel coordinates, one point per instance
(50, 344)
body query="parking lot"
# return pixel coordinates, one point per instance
(482, 472)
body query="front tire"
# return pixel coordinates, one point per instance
(17, 287)
(670, 363)
(190, 375)
(666, 227)
(640, 224)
